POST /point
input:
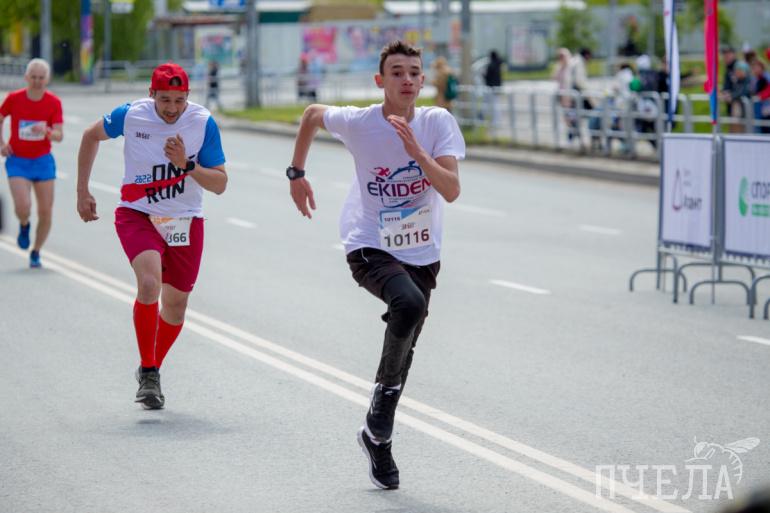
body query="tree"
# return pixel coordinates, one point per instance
(576, 28)
(129, 31)
(693, 18)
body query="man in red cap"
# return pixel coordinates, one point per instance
(172, 153)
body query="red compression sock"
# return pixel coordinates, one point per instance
(146, 326)
(167, 334)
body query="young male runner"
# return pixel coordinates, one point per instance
(36, 120)
(172, 152)
(406, 162)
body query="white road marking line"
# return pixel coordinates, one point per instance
(478, 210)
(518, 286)
(62, 174)
(103, 187)
(362, 400)
(603, 230)
(341, 185)
(339, 247)
(72, 119)
(240, 222)
(237, 165)
(758, 340)
(72, 270)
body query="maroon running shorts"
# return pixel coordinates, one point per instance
(180, 264)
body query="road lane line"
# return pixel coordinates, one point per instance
(758, 340)
(472, 209)
(603, 230)
(363, 400)
(240, 222)
(74, 270)
(518, 286)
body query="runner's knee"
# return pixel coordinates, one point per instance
(148, 287)
(22, 209)
(44, 213)
(406, 310)
(174, 308)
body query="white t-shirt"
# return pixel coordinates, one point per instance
(392, 205)
(152, 184)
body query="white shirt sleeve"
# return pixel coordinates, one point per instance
(337, 121)
(449, 138)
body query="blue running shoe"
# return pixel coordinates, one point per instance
(34, 260)
(23, 238)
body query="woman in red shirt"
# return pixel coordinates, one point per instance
(36, 120)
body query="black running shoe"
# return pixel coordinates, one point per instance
(382, 469)
(382, 411)
(149, 393)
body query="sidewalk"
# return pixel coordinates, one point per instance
(562, 162)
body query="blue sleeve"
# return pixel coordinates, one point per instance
(211, 153)
(113, 122)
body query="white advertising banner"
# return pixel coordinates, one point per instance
(747, 197)
(686, 197)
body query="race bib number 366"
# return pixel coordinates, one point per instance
(405, 229)
(174, 230)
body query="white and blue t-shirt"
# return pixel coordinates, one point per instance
(152, 184)
(392, 204)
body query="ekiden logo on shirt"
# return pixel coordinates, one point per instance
(400, 187)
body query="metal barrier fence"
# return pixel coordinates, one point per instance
(533, 114)
(714, 208)
(593, 122)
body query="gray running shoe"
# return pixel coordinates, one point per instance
(149, 394)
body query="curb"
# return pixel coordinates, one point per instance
(607, 169)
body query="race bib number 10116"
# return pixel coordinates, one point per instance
(405, 229)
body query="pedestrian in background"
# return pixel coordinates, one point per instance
(493, 79)
(728, 82)
(445, 82)
(741, 88)
(213, 85)
(760, 89)
(36, 120)
(562, 74)
(305, 89)
(579, 81)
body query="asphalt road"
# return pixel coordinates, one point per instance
(536, 364)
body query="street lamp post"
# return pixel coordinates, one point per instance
(611, 43)
(107, 54)
(46, 46)
(252, 55)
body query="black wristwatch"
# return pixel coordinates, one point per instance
(292, 173)
(189, 166)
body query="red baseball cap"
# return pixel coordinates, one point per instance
(162, 75)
